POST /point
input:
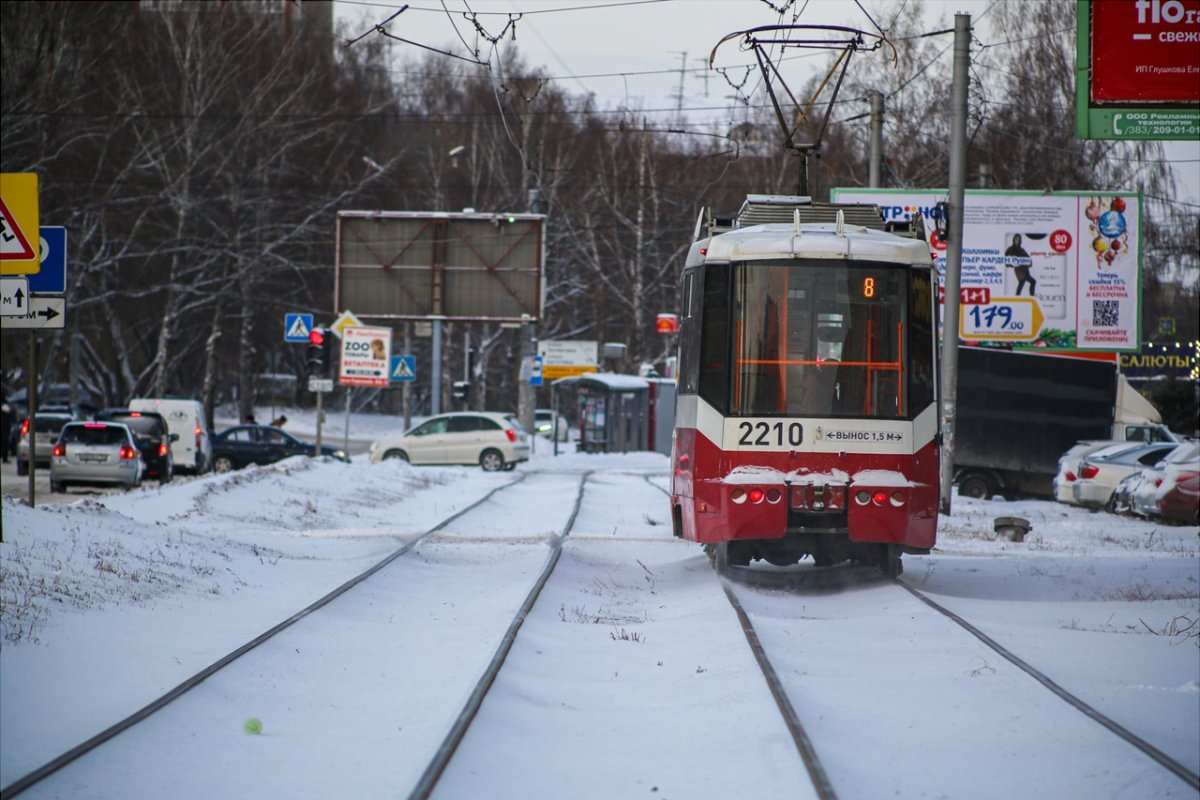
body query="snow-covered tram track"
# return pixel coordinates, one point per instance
(54, 776)
(1170, 764)
(925, 696)
(631, 643)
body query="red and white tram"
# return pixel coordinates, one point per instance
(806, 419)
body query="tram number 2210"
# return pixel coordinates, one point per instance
(767, 434)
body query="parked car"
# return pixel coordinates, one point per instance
(1121, 501)
(1180, 499)
(243, 445)
(1068, 466)
(192, 451)
(544, 422)
(47, 428)
(95, 454)
(153, 437)
(1100, 472)
(55, 394)
(490, 439)
(1176, 496)
(1145, 495)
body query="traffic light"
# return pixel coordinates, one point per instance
(318, 353)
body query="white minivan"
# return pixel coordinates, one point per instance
(192, 451)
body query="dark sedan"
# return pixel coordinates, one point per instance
(153, 438)
(262, 444)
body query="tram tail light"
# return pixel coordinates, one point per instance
(738, 496)
(756, 495)
(880, 497)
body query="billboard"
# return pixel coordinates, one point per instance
(1137, 69)
(1059, 271)
(398, 265)
(366, 357)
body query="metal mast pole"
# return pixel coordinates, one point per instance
(958, 186)
(876, 177)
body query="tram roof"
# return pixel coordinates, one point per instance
(811, 240)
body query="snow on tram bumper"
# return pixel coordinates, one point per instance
(877, 505)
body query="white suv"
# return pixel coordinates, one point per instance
(493, 441)
(192, 450)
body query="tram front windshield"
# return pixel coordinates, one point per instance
(828, 339)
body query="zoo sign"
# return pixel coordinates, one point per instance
(366, 357)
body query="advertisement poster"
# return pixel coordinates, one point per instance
(366, 357)
(1145, 51)
(1058, 271)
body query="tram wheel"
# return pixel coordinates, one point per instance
(889, 561)
(722, 558)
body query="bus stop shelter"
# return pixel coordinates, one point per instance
(619, 413)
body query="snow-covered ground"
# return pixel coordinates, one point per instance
(110, 600)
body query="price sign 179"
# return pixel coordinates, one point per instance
(1012, 319)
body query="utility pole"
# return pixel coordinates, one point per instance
(526, 393)
(406, 392)
(704, 73)
(954, 248)
(876, 179)
(525, 390)
(678, 95)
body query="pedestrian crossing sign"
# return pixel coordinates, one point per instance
(404, 368)
(296, 327)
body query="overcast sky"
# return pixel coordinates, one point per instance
(630, 52)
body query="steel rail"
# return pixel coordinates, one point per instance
(804, 746)
(458, 730)
(747, 577)
(50, 767)
(1164, 760)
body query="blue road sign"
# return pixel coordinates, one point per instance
(404, 368)
(52, 277)
(535, 379)
(296, 327)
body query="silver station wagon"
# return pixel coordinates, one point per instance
(95, 454)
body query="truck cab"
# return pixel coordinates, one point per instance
(1136, 420)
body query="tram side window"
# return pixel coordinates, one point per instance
(713, 368)
(689, 334)
(920, 343)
